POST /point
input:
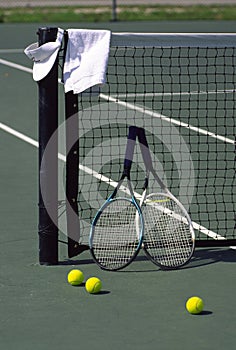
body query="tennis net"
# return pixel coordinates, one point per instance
(181, 89)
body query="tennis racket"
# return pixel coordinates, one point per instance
(117, 229)
(169, 238)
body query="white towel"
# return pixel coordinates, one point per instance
(86, 59)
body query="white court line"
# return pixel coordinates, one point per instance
(163, 117)
(181, 93)
(86, 169)
(19, 135)
(16, 66)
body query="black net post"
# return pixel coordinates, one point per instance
(72, 168)
(48, 164)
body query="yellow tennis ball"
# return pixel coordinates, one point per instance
(75, 277)
(194, 305)
(93, 285)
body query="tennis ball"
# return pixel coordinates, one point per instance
(194, 305)
(75, 277)
(93, 285)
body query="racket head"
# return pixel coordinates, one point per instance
(169, 238)
(116, 234)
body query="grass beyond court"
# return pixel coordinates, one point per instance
(124, 13)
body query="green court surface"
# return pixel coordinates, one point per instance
(140, 307)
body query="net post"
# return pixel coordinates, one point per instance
(72, 172)
(48, 165)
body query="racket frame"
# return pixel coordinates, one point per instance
(146, 155)
(131, 141)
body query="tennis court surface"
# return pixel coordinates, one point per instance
(140, 306)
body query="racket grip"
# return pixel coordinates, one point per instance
(129, 153)
(144, 148)
(145, 185)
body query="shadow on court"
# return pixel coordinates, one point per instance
(201, 257)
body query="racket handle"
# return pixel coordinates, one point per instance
(129, 153)
(145, 185)
(147, 157)
(145, 149)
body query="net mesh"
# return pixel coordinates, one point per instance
(184, 97)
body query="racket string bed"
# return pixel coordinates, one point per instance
(168, 238)
(115, 239)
